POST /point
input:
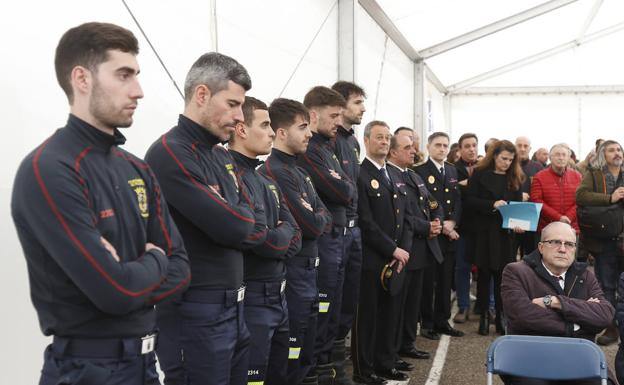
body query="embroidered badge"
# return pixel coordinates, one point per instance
(138, 185)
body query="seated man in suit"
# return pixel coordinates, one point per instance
(548, 293)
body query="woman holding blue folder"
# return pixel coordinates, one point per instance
(497, 180)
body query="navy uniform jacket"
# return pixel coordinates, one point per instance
(75, 188)
(445, 191)
(424, 210)
(300, 197)
(384, 216)
(265, 262)
(206, 201)
(347, 149)
(337, 194)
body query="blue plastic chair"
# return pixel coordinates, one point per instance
(548, 358)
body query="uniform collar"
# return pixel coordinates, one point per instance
(284, 157)
(244, 161)
(438, 165)
(402, 169)
(94, 136)
(377, 165)
(197, 131)
(344, 132)
(320, 138)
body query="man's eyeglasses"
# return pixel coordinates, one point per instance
(557, 243)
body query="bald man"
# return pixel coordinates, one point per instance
(548, 293)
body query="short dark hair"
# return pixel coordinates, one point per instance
(321, 96)
(283, 112)
(249, 106)
(437, 135)
(87, 45)
(465, 136)
(348, 89)
(369, 127)
(215, 70)
(402, 128)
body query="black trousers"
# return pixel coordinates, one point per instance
(436, 293)
(483, 290)
(374, 334)
(410, 308)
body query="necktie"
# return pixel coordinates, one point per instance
(559, 280)
(384, 172)
(442, 171)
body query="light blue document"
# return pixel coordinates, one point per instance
(524, 215)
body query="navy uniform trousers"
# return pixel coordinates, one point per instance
(77, 361)
(331, 274)
(204, 339)
(351, 285)
(303, 310)
(266, 316)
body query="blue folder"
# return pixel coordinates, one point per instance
(521, 214)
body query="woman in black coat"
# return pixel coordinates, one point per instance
(496, 181)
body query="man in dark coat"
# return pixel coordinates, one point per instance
(441, 180)
(425, 249)
(548, 293)
(384, 217)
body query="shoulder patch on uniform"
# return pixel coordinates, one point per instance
(138, 186)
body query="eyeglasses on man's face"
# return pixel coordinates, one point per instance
(557, 243)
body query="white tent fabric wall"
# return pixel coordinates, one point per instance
(269, 42)
(386, 74)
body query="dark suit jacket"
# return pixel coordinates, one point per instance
(468, 222)
(384, 216)
(424, 250)
(446, 192)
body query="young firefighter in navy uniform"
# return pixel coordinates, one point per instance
(289, 120)
(337, 191)
(266, 313)
(100, 245)
(441, 180)
(347, 149)
(385, 219)
(425, 249)
(207, 328)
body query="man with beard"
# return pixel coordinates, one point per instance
(527, 242)
(266, 314)
(603, 185)
(468, 151)
(385, 220)
(100, 244)
(204, 335)
(289, 120)
(337, 191)
(347, 150)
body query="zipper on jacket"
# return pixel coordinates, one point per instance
(572, 287)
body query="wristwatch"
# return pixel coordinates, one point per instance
(547, 300)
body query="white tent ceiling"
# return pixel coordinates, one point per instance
(426, 24)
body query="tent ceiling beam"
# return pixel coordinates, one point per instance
(381, 18)
(596, 89)
(534, 58)
(489, 29)
(590, 18)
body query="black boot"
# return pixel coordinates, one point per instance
(339, 359)
(326, 374)
(484, 325)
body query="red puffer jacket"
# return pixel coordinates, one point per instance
(558, 194)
